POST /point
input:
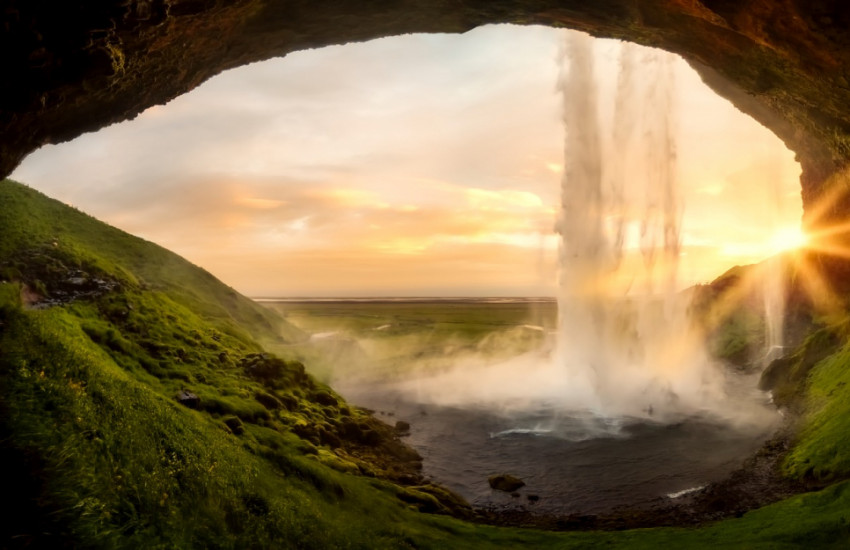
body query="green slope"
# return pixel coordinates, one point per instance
(30, 223)
(99, 334)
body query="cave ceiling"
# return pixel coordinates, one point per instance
(71, 67)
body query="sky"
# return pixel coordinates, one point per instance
(419, 165)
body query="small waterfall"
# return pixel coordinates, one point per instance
(773, 292)
(624, 337)
(773, 286)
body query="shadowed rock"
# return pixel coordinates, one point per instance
(72, 67)
(505, 482)
(188, 399)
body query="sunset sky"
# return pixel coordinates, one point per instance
(422, 165)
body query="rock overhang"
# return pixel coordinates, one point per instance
(77, 66)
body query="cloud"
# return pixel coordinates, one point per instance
(401, 165)
(448, 270)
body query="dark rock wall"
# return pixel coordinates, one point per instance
(75, 66)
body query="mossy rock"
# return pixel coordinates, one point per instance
(452, 502)
(267, 400)
(327, 437)
(422, 501)
(307, 432)
(290, 402)
(323, 397)
(337, 463)
(785, 377)
(234, 424)
(188, 399)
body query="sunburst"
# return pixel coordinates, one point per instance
(809, 256)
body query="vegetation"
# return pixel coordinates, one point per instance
(139, 410)
(378, 340)
(823, 449)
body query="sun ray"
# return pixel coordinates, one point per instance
(828, 231)
(819, 211)
(732, 297)
(824, 299)
(837, 250)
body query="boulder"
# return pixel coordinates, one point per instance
(505, 482)
(188, 399)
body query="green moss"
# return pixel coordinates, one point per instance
(823, 449)
(336, 462)
(10, 296)
(737, 337)
(787, 378)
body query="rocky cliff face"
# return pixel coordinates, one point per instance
(77, 65)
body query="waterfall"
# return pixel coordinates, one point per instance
(773, 286)
(623, 335)
(773, 292)
(624, 348)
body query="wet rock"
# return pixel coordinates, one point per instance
(188, 399)
(505, 482)
(533, 498)
(402, 427)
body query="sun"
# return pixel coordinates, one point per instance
(787, 238)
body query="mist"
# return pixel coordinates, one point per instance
(624, 347)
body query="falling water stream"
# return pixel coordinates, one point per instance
(773, 287)
(623, 332)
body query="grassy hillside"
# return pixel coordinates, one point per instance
(138, 410)
(36, 232)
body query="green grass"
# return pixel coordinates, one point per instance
(823, 449)
(81, 239)
(98, 453)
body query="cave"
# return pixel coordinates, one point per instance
(76, 67)
(79, 66)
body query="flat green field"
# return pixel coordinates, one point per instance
(388, 338)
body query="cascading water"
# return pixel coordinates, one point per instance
(623, 336)
(773, 287)
(624, 346)
(625, 407)
(773, 293)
